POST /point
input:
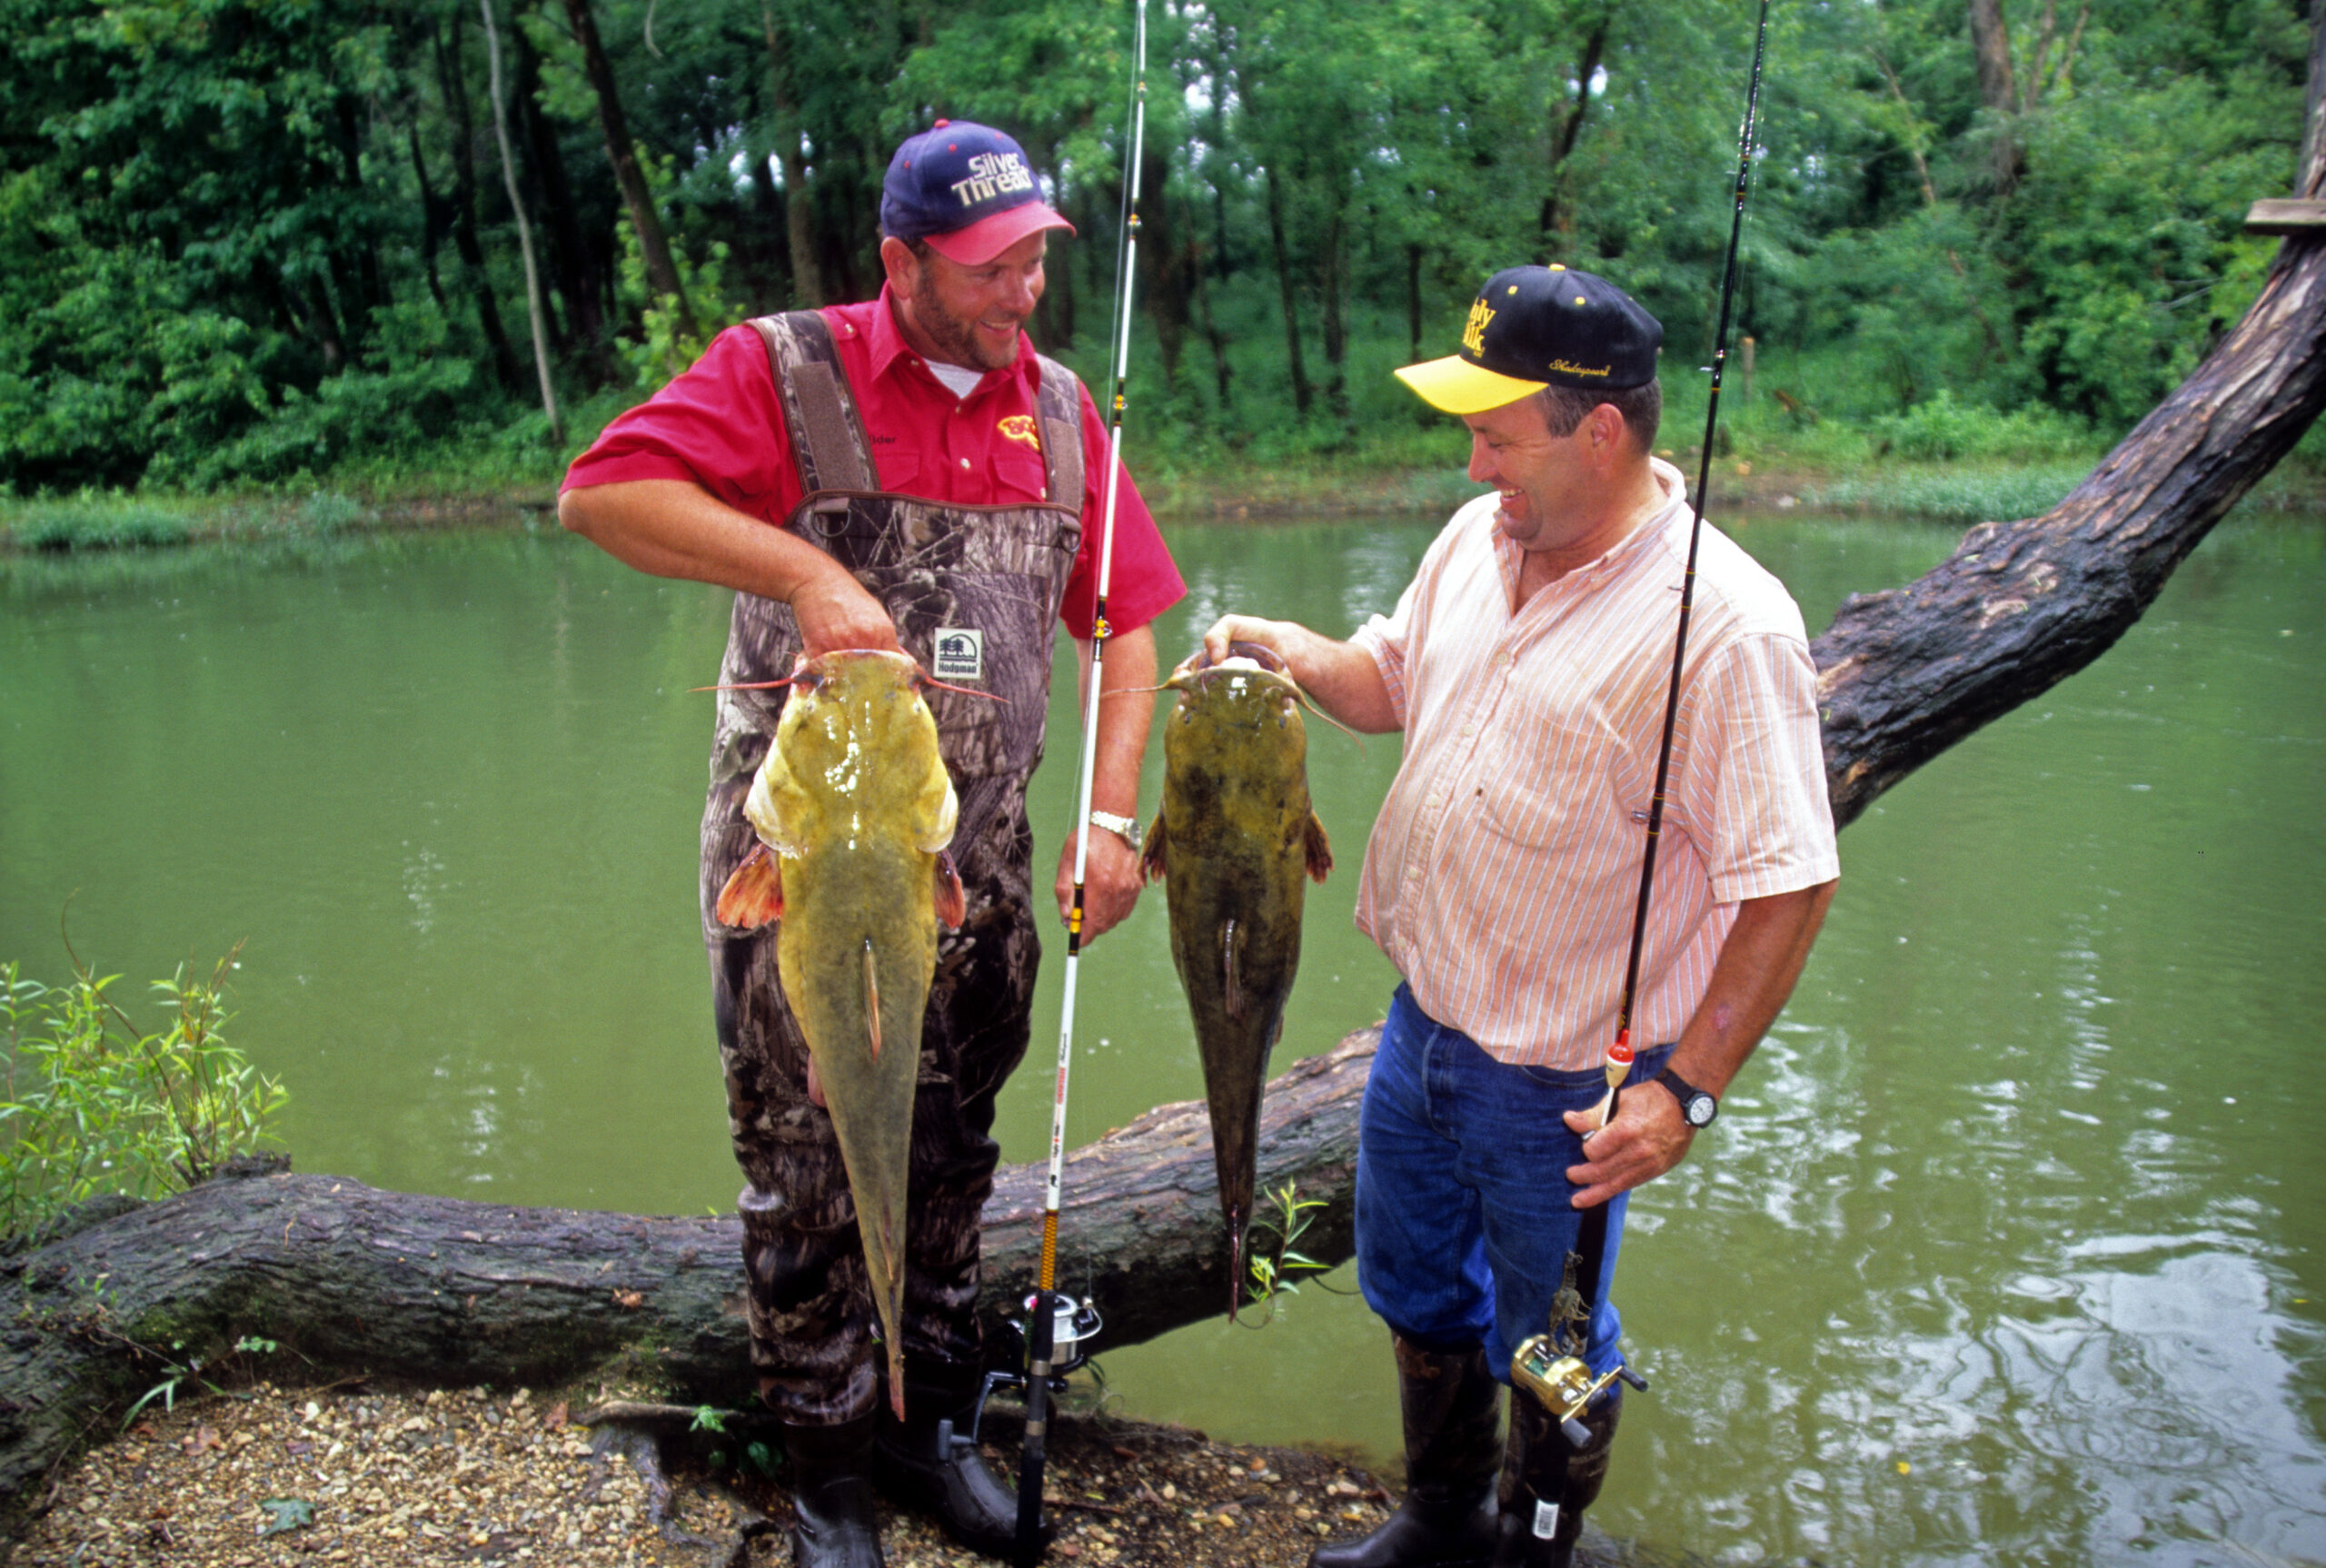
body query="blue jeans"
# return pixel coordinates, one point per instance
(1464, 1210)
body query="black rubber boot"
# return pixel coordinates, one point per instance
(1547, 1483)
(928, 1464)
(1447, 1518)
(831, 1491)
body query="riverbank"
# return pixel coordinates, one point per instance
(272, 1476)
(1950, 491)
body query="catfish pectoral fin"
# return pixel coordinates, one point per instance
(753, 895)
(1320, 848)
(952, 903)
(1150, 856)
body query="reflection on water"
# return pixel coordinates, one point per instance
(2006, 1249)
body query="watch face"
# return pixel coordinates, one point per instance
(1699, 1109)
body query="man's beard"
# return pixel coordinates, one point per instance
(955, 337)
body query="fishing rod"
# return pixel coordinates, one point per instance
(1044, 1310)
(1565, 1381)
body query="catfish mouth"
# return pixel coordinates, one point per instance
(1204, 669)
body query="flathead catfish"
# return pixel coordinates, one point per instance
(854, 809)
(1235, 834)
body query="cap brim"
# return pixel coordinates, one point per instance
(989, 237)
(1455, 386)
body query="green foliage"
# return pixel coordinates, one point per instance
(93, 1105)
(247, 243)
(1274, 1269)
(96, 521)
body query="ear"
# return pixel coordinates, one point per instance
(903, 267)
(1610, 438)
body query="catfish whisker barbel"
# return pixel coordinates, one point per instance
(1042, 1311)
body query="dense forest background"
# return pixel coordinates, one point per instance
(255, 241)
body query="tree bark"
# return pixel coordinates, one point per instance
(454, 78)
(394, 1286)
(799, 207)
(661, 273)
(534, 308)
(1290, 290)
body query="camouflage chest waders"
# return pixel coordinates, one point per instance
(941, 569)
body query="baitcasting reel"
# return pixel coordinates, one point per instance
(1073, 1325)
(1563, 1383)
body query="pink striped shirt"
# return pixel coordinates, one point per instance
(1502, 875)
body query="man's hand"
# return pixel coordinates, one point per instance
(834, 611)
(1110, 884)
(1647, 1137)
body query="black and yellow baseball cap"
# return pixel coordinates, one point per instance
(1532, 326)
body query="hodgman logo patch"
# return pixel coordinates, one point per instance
(960, 654)
(1474, 331)
(1021, 427)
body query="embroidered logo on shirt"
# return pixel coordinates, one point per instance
(1021, 427)
(960, 653)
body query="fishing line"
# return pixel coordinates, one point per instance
(1042, 1312)
(1567, 1385)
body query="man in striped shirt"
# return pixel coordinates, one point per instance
(1526, 666)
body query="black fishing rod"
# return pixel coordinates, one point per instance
(1553, 1369)
(1046, 1307)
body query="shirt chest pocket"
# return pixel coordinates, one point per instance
(1546, 779)
(1018, 474)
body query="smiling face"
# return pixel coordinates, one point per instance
(964, 315)
(1512, 448)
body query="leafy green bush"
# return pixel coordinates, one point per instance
(91, 1105)
(1939, 430)
(93, 521)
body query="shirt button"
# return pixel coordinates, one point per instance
(965, 463)
(1468, 730)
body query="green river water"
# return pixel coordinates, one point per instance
(2010, 1246)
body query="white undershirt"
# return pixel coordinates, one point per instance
(959, 379)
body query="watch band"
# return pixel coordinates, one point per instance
(1698, 1108)
(1127, 829)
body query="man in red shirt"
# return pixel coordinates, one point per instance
(905, 473)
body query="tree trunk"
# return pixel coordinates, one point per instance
(1990, 54)
(455, 85)
(570, 260)
(1554, 220)
(661, 273)
(366, 1283)
(534, 308)
(1290, 290)
(799, 209)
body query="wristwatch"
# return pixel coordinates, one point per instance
(1697, 1108)
(1123, 828)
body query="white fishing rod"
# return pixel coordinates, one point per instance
(1042, 1313)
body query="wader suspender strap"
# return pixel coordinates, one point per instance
(827, 440)
(1061, 404)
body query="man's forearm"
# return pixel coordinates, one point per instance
(1125, 706)
(1759, 964)
(672, 528)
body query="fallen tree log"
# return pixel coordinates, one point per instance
(357, 1282)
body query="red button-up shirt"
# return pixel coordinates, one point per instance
(720, 425)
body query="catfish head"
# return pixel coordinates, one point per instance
(855, 755)
(1252, 680)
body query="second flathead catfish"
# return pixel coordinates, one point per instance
(854, 809)
(1234, 839)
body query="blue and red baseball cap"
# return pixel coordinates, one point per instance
(968, 190)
